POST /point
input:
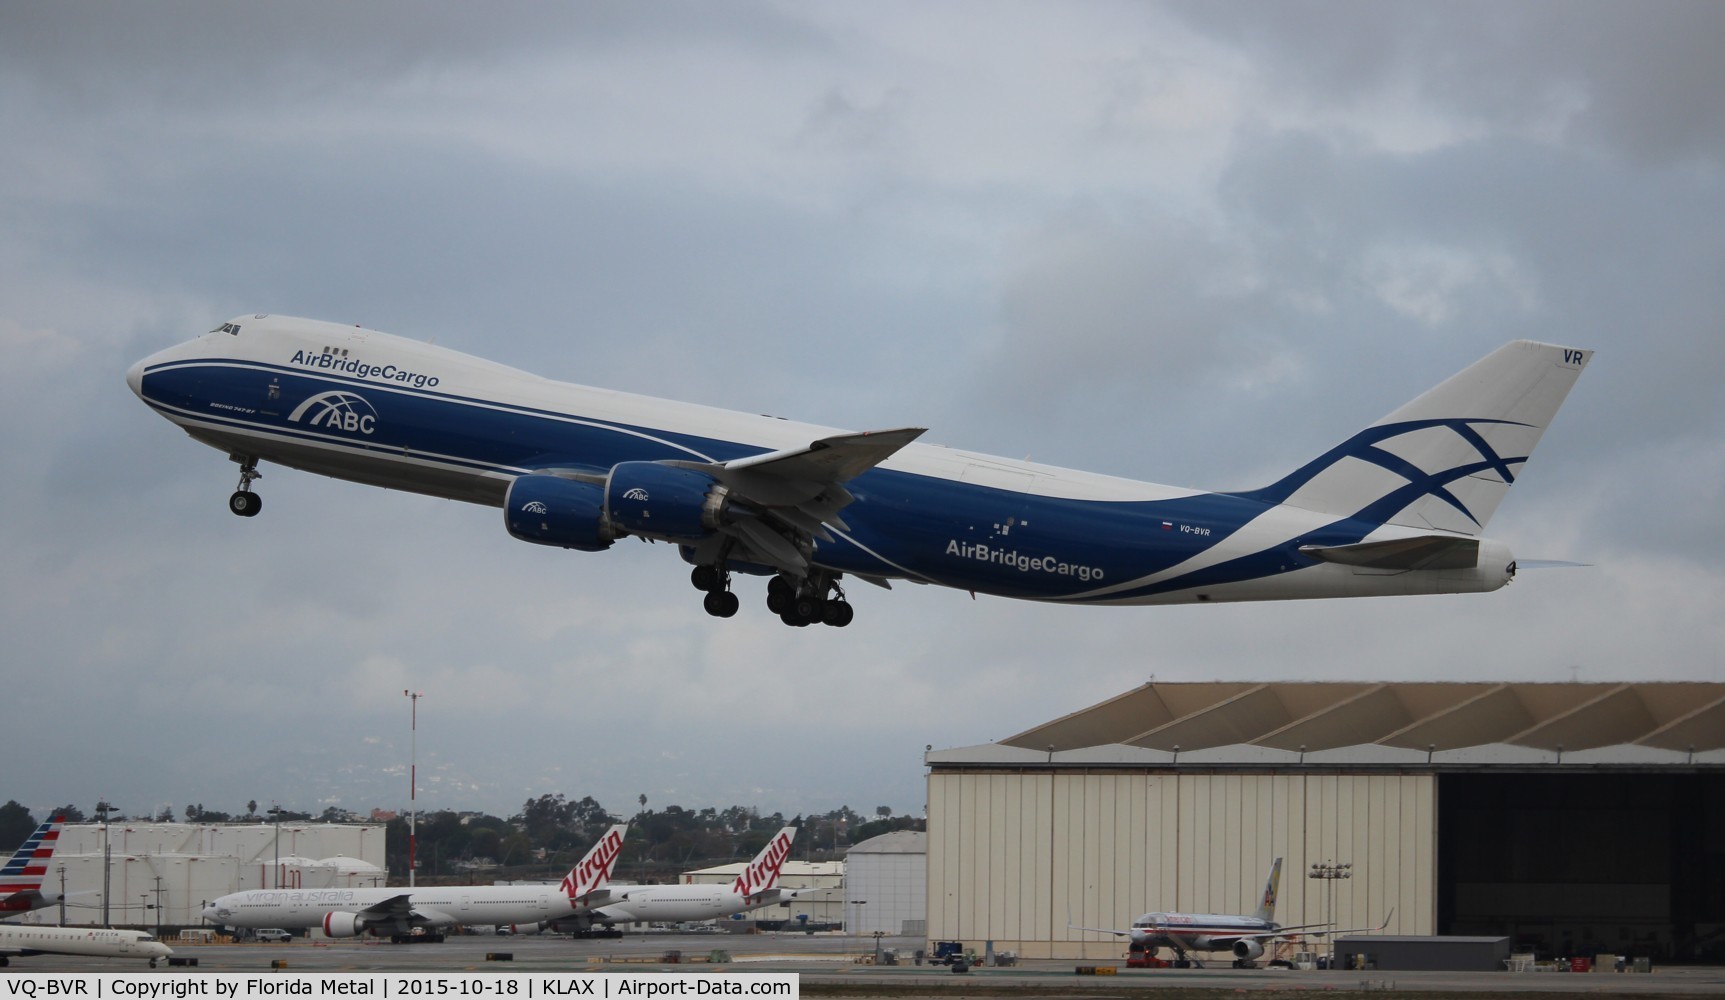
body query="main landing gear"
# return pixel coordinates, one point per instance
(808, 603)
(817, 599)
(719, 602)
(244, 502)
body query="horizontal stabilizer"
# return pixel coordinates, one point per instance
(1427, 552)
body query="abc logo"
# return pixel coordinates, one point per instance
(336, 411)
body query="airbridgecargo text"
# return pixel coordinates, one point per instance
(983, 552)
(232, 986)
(354, 366)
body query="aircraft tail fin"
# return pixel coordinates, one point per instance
(1272, 885)
(763, 872)
(24, 871)
(1444, 461)
(594, 869)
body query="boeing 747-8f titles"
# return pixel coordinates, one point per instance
(1396, 509)
(1244, 936)
(398, 913)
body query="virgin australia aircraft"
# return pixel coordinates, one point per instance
(1396, 509)
(398, 914)
(22, 940)
(1244, 936)
(756, 887)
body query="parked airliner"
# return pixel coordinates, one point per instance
(1244, 936)
(398, 913)
(1397, 508)
(26, 940)
(21, 878)
(756, 887)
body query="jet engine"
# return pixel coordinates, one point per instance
(527, 929)
(1248, 950)
(344, 925)
(551, 510)
(663, 501)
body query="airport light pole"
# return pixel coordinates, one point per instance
(103, 808)
(1330, 872)
(158, 907)
(276, 812)
(413, 785)
(62, 868)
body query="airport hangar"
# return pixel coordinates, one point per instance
(1572, 818)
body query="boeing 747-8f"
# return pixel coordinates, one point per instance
(1397, 508)
(398, 913)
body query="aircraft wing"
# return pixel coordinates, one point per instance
(1098, 930)
(795, 494)
(1282, 931)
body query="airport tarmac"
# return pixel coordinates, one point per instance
(836, 965)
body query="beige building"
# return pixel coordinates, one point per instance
(1568, 816)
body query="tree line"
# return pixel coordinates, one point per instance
(547, 836)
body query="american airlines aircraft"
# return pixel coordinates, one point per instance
(1397, 508)
(21, 877)
(756, 887)
(1244, 936)
(99, 942)
(398, 913)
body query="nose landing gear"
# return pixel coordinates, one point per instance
(243, 501)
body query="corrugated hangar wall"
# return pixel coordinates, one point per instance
(1015, 855)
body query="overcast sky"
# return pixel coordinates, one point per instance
(1196, 244)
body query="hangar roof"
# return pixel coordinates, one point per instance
(1687, 717)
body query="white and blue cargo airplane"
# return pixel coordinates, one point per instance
(1396, 509)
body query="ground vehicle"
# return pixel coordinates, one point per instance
(273, 935)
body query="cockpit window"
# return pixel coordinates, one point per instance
(233, 328)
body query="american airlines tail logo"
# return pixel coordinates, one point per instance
(337, 411)
(594, 869)
(763, 872)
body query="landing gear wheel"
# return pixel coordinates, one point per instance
(789, 617)
(809, 608)
(245, 503)
(720, 603)
(780, 594)
(707, 578)
(838, 614)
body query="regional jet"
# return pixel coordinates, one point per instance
(21, 877)
(24, 941)
(756, 887)
(426, 911)
(1398, 508)
(1244, 936)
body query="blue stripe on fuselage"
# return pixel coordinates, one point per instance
(958, 534)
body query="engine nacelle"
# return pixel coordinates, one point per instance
(1248, 949)
(527, 929)
(663, 501)
(343, 925)
(551, 510)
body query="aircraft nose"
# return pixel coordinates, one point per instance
(135, 378)
(210, 914)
